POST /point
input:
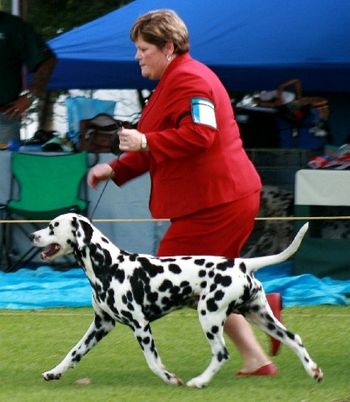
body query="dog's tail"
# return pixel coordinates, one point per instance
(253, 264)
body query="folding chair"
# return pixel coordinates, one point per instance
(42, 187)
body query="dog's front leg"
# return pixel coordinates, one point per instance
(100, 327)
(212, 324)
(144, 336)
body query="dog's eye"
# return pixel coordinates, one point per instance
(57, 224)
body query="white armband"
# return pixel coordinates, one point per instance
(203, 112)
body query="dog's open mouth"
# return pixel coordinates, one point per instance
(50, 251)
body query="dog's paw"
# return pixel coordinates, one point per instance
(197, 382)
(318, 374)
(173, 379)
(51, 375)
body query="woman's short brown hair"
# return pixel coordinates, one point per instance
(161, 26)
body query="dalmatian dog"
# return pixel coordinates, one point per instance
(135, 289)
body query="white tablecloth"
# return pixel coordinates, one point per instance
(322, 187)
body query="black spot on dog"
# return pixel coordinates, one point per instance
(152, 297)
(146, 340)
(222, 355)
(219, 295)
(88, 231)
(212, 287)
(166, 285)
(76, 359)
(118, 274)
(242, 267)
(225, 281)
(89, 339)
(137, 286)
(209, 335)
(175, 269)
(271, 326)
(268, 317)
(246, 296)
(139, 339)
(199, 261)
(231, 308)
(151, 269)
(222, 266)
(211, 305)
(290, 335)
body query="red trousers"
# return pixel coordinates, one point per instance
(221, 230)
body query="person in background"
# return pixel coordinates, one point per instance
(20, 46)
(189, 142)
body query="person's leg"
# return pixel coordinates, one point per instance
(242, 335)
(222, 230)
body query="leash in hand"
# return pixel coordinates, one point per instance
(105, 185)
(99, 198)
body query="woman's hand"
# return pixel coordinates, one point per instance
(18, 107)
(99, 173)
(130, 140)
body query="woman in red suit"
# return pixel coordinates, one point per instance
(189, 142)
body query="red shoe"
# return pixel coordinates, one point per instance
(268, 370)
(275, 302)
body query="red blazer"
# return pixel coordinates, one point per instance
(192, 166)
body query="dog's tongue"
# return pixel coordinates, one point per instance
(49, 251)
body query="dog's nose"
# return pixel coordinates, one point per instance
(32, 237)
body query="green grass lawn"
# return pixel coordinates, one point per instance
(34, 341)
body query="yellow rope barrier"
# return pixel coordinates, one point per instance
(112, 220)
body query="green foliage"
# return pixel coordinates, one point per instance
(51, 17)
(34, 341)
(5, 5)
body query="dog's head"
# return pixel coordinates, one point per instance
(65, 234)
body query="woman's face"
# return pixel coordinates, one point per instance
(152, 60)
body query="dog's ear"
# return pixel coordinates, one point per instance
(83, 232)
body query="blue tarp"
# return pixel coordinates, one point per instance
(45, 288)
(251, 44)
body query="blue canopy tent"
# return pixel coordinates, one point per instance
(251, 44)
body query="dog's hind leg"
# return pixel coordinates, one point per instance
(100, 327)
(144, 336)
(260, 314)
(213, 326)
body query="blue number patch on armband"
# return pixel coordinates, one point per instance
(203, 112)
